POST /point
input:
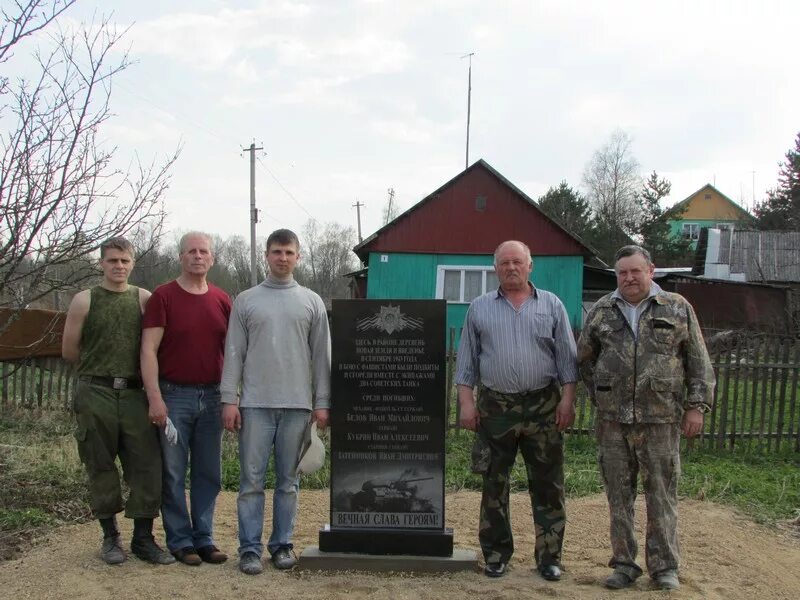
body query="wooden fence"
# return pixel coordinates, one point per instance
(756, 403)
(45, 383)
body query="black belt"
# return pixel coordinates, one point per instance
(116, 383)
(194, 386)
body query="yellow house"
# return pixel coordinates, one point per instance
(707, 207)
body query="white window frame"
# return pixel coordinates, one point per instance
(440, 271)
(693, 231)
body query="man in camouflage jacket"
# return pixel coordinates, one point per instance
(644, 362)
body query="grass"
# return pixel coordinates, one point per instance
(43, 484)
(13, 519)
(764, 486)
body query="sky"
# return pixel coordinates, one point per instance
(350, 98)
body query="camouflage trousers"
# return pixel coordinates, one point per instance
(524, 422)
(652, 449)
(113, 423)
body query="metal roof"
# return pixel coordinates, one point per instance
(762, 255)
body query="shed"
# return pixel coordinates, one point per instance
(443, 246)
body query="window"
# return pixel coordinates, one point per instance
(690, 231)
(725, 226)
(464, 284)
(480, 203)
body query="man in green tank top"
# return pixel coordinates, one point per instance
(102, 335)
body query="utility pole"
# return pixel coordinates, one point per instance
(253, 214)
(469, 103)
(389, 206)
(358, 206)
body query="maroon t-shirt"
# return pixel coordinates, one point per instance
(195, 325)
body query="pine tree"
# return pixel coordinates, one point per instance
(569, 208)
(781, 209)
(654, 229)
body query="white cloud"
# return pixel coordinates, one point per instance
(157, 131)
(402, 131)
(207, 41)
(362, 95)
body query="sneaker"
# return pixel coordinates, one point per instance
(283, 558)
(146, 549)
(668, 580)
(250, 563)
(618, 580)
(111, 551)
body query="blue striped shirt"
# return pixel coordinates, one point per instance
(515, 351)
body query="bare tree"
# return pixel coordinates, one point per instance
(612, 182)
(26, 19)
(326, 257)
(155, 263)
(61, 193)
(231, 269)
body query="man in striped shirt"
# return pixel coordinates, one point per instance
(517, 345)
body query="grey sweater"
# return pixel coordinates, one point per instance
(279, 348)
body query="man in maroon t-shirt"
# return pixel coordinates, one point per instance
(183, 339)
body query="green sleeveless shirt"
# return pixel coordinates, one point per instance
(111, 334)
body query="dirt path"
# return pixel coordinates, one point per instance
(724, 556)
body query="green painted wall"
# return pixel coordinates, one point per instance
(675, 227)
(406, 276)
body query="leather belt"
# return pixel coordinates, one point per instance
(116, 383)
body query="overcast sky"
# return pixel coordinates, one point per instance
(350, 98)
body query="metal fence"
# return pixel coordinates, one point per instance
(755, 400)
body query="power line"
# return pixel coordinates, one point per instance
(211, 132)
(287, 192)
(179, 117)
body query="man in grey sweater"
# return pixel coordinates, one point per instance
(278, 347)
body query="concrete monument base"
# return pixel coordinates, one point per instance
(313, 559)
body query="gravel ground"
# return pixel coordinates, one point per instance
(725, 556)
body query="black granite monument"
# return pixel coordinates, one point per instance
(387, 429)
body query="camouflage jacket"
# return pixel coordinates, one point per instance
(654, 378)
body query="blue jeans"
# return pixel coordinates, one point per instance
(263, 428)
(196, 413)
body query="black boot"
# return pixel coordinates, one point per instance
(144, 546)
(111, 551)
(109, 526)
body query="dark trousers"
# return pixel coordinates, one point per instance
(524, 422)
(113, 423)
(625, 451)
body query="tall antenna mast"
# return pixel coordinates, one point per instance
(469, 103)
